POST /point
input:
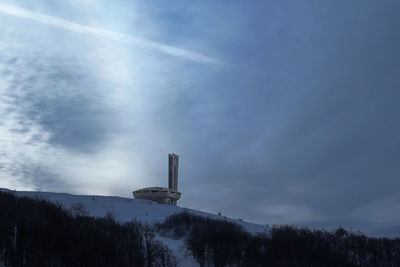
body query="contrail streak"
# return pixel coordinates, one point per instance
(116, 36)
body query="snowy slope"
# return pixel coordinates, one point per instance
(128, 209)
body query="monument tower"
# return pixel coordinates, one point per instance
(164, 195)
(173, 164)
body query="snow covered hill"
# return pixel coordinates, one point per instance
(127, 209)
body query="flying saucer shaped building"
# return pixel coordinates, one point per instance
(163, 195)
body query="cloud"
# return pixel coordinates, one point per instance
(48, 96)
(304, 131)
(115, 36)
(54, 115)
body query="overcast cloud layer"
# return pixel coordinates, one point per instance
(282, 112)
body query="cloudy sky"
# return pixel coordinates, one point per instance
(281, 111)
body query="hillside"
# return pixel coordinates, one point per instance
(49, 229)
(128, 209)
(125, 209)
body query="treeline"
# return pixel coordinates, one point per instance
(222, 243)
(39, 233)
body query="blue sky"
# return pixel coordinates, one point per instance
(281, 111)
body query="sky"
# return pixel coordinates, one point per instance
(282, 112)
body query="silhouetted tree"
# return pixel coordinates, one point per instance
(223, 243)
(39, 233)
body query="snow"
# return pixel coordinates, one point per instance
(128, 209)
(177, 247)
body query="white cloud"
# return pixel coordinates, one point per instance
(31, 89)
(112, 35)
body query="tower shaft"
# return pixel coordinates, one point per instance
(173, 165)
